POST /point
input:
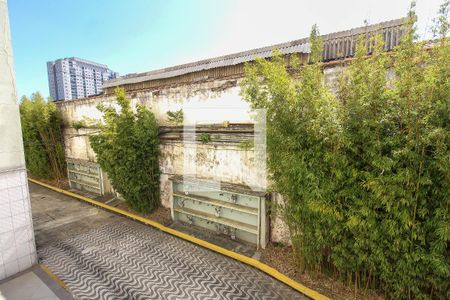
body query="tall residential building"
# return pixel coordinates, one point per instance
(73, 78)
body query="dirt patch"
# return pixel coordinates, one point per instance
(160, 215)
(62, 184)
(282, 259)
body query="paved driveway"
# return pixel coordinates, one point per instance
(105, 256)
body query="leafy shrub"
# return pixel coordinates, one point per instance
(127, 149)
(42, 138)
(365, 172)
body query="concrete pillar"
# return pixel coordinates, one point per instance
(17, 247)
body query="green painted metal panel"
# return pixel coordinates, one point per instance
(229, 211)
(85, 176)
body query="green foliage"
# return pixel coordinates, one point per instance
(42, 138)
(85, 122)
(205, 138)
(78, 125)
(175, 117)
(127, 149)
(365, 172)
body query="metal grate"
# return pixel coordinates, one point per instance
(232, 210)
(85, 176)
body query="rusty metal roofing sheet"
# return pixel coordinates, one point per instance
(297, 46)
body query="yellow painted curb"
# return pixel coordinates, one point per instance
(53, 276)
(242, 258)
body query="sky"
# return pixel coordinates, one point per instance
(132, 36)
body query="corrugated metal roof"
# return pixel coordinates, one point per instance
(297, 46)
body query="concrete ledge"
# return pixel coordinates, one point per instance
(34, 283)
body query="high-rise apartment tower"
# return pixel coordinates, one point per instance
(74, 78)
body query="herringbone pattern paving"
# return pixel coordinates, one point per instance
(128, 260)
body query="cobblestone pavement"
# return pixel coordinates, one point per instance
(117, 258)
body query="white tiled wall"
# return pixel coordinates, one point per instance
(17, 248)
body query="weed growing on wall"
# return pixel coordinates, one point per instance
(77, 125)
(175, 117)
(205, 138)
(127, 149)
(42, 138)
(365, 172)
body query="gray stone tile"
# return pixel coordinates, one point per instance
(27, 286)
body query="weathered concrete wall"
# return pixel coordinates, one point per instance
(77, 143)
(202, 103)
(211, 102)
(211, 161)
(220, 99)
